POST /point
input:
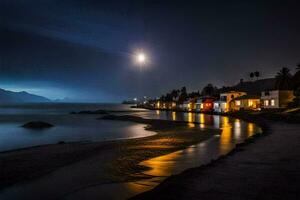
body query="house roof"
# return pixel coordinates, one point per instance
(248, 96)
(208, 100)
(205, 98)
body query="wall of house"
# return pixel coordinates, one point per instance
(229, 96)
(277, 98)
(270, 99)
(220, 106)
(246, 104)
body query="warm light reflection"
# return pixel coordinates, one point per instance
(173, 163)
(202, 125)
(202, 118)
(139, 186)
(216, 121)
(190, 120)
(157, 112)
(250, 131)
(162, 165)
(173, 116)
(226, 136)
(237, 129)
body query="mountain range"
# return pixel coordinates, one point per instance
(7, 96)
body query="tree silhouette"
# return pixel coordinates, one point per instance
(251, 75)
(174, 94)
(183, 95)
(296, 78)
(162, 98)
(257, 74)
(209, 90)
(284, 79)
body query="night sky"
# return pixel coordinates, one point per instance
(83, 49)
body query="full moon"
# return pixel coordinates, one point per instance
(141, 58)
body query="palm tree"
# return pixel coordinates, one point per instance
(251, 75)
(174, 94)
(257, 74)
(183, 95)
(296, 78)
(284, 79)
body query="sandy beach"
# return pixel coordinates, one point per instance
(61, 169)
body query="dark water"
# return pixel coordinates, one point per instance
(67, 127)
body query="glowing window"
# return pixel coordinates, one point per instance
(266, 102)
(238, 103)
(250, 103)
(272, 102)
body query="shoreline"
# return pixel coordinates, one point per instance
(198, 175)
(27, 164)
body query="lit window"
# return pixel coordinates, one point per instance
(238, 103)
(272, 102)
(201, 105)
(266, 102)
(250, 103)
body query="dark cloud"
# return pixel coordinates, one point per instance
(86, 47)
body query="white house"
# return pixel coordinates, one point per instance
(223, 105)
(277, 98)
(220, 106)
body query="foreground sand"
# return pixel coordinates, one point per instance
(55, 171)
(266, 169)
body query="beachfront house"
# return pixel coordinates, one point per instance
(245, 102)
(276, 98)
(223, 104)
(220, 106)
(188, 105)
(172, 105)
(205, 104)
(185, 105)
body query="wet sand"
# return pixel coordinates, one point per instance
(266, 169)
(55, 171)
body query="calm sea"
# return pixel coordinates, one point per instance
(68, 127)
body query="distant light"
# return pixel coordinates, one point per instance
(135, 99)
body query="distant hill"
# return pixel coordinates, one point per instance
(252, 87)
(7, 96)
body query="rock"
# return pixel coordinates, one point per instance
(37, 125)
